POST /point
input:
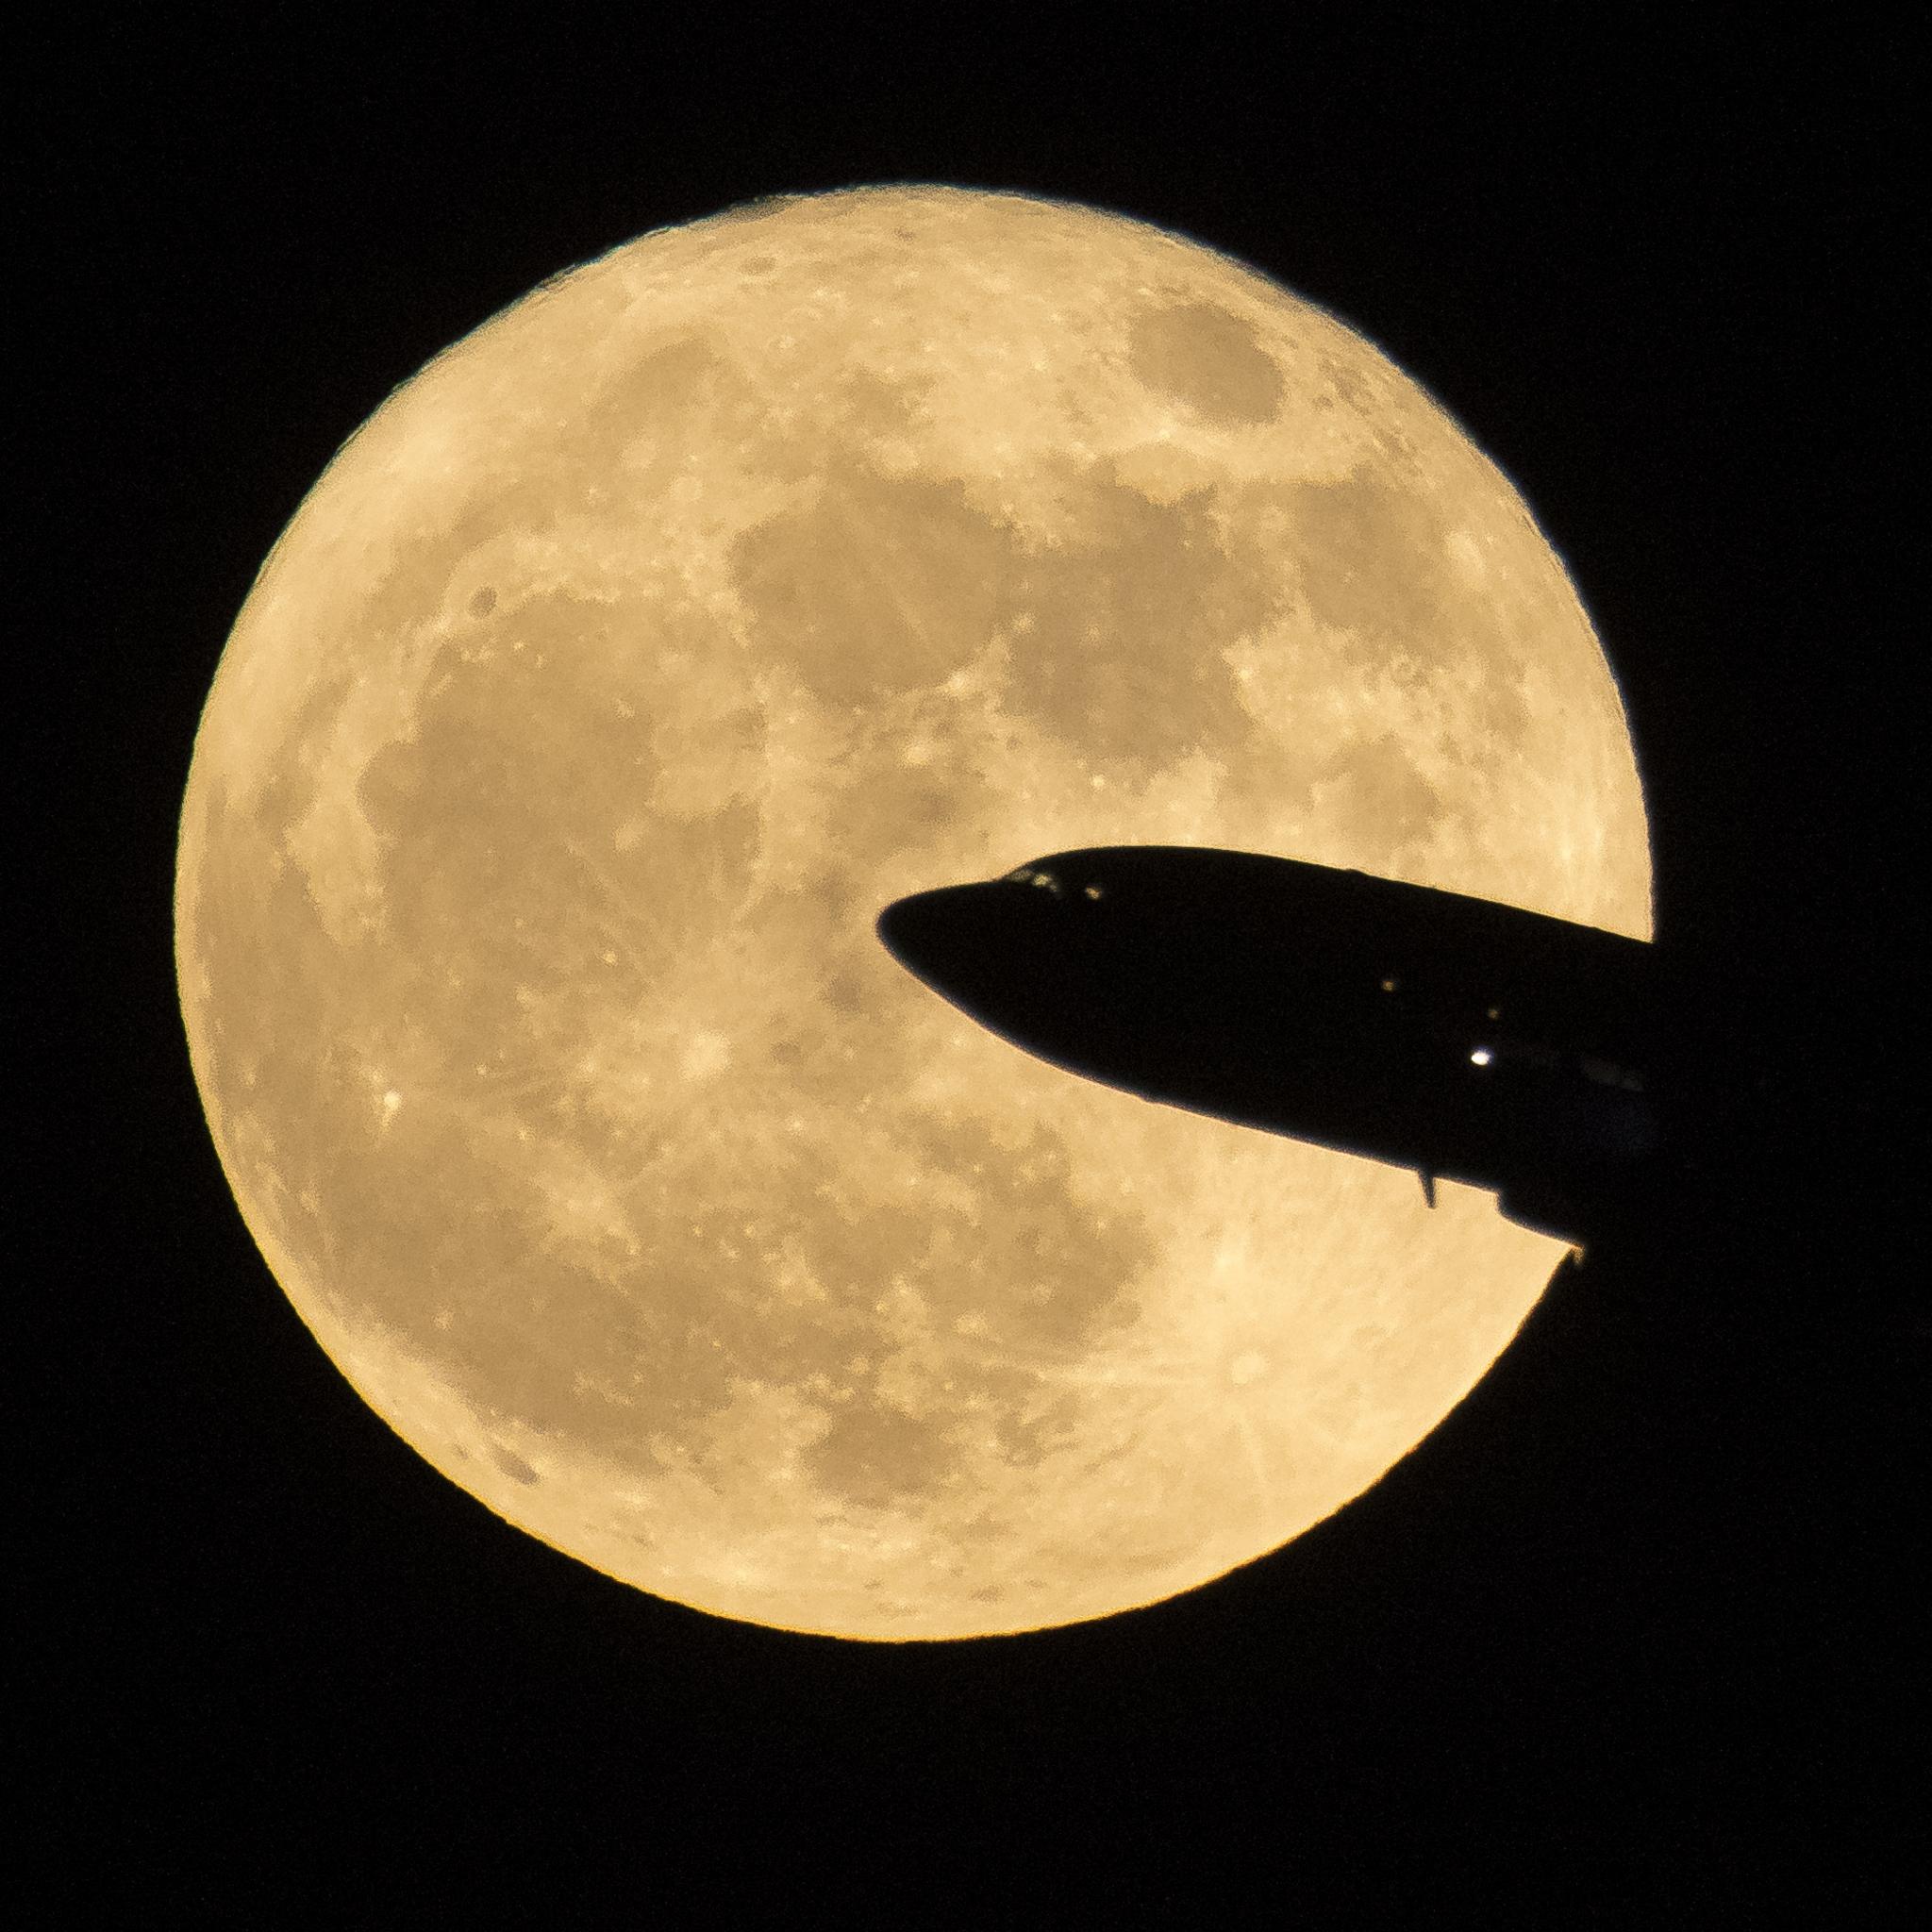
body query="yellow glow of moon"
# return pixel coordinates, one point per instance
(611, 679)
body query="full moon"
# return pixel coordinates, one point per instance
(610, 681)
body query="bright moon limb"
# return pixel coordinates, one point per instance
(610, 681)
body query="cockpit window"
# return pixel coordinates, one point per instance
(1033, 875)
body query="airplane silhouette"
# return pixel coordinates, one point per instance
(1471, 1040)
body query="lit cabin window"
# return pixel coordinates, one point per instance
(1092, 891)
(1480, 1056)
(1390, 983)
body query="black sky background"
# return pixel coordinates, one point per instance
(1631, 1632)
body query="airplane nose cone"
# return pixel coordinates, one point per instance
(1021, 961)
(936, 936)
(990, 949)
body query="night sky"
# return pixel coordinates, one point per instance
(1630, 1634)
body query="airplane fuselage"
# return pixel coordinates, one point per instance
(1465, 1038)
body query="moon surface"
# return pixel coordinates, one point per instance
(611, 679)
